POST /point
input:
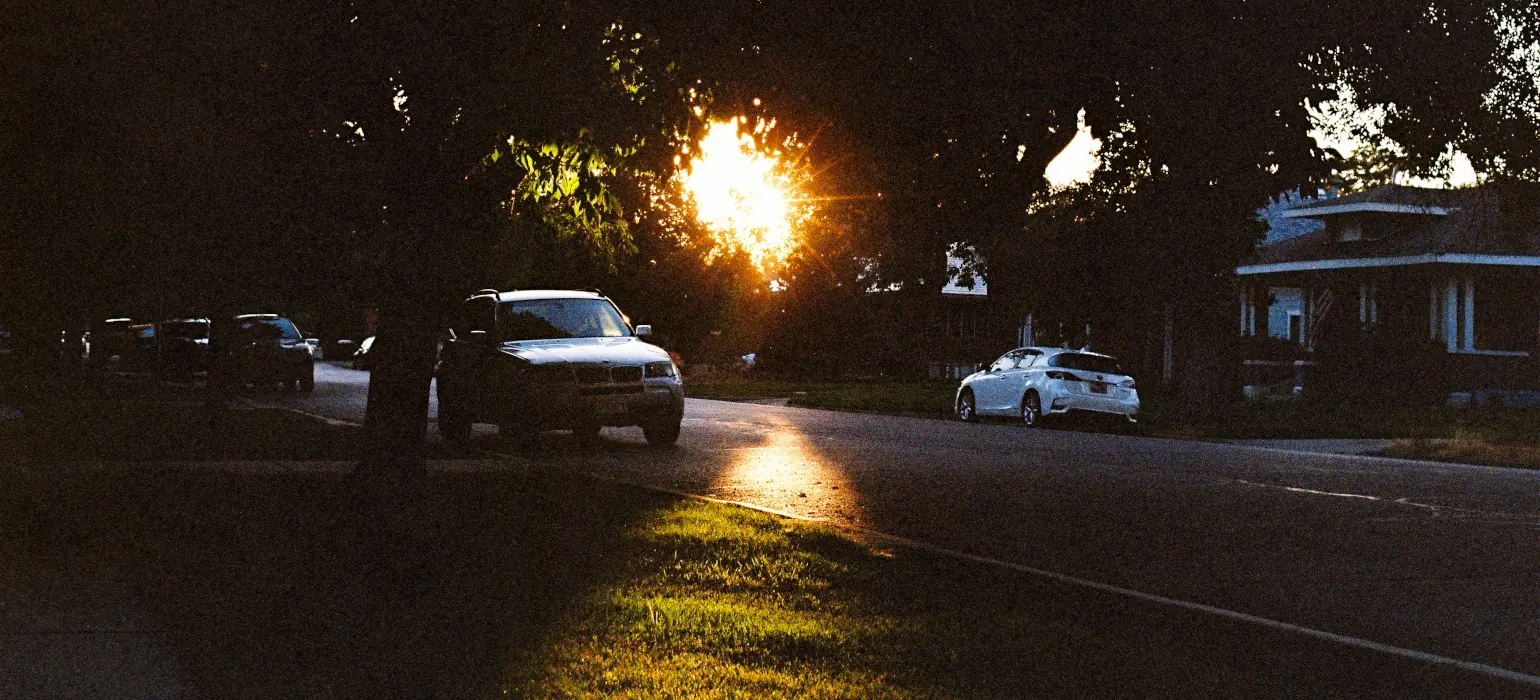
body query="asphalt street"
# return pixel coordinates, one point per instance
(1441, 559)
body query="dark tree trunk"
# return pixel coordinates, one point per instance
(414, 281)
(423, 179)
(396, 422)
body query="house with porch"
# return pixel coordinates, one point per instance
(1441, 284)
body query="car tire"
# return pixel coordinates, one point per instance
(967, 410)
(663, 432)
(1032, 410)
(307, 382)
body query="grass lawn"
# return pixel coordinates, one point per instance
(80, 420)
(1514, 442)
(137, 430)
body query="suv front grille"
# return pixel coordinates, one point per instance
(609, 380)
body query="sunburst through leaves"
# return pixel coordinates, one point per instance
(744, 191)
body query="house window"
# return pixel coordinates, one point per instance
(966, 322)
(1368, 304)
(1494, 320)
(1350, 231)
(1503, 317)
(1286, 313)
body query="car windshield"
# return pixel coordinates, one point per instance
(280, 328)
(1087, 363)
(560, 318)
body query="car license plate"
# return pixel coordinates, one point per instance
(1098, 388)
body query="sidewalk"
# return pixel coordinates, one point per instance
(68, 635)
(1320, 447)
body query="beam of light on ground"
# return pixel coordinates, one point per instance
(786, 472)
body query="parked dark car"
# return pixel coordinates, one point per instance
(261, 350)
(184, 345)
(339, 348)
(110, 341)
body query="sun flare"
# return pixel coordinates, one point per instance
(742, 192)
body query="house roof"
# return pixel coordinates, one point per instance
(1393, 199)
(1470, 226)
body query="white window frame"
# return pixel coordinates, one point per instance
(1368, 303)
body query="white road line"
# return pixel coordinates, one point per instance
(1433, 508)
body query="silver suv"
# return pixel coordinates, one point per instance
(540, 359)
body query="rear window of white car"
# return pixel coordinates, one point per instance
(1087, 363)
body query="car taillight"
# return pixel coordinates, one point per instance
(1127, 384)
(1056, 374)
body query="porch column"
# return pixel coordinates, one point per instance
(1368, 303)
(1452, 315)
(1468, 340)
(1433, 310)
(1168, 354)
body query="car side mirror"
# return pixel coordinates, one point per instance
(643, 330)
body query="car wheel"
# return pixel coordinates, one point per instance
(1031, 410)
(663, 432)
(307, 382)
(967, 412)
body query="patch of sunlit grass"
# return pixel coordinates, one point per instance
(724, 602)
(730, 551)
(632, 668)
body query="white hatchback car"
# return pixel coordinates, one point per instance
(1031, 384)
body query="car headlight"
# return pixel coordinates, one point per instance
(655, 370)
